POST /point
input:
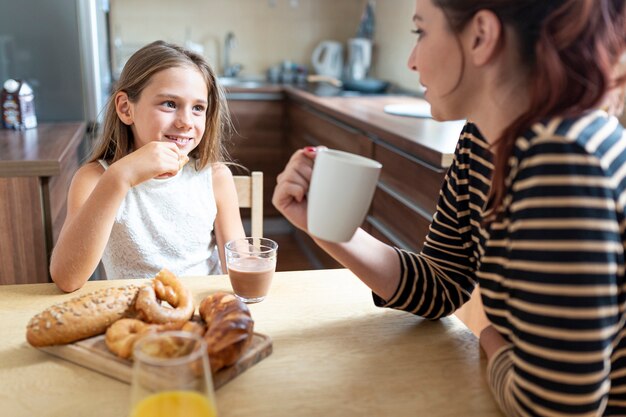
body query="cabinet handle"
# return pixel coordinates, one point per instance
(410, 157)
(401, 198)
(311, 139)
(332, 120)
(394, 238)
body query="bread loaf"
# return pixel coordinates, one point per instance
(229, 328)
(81, 317)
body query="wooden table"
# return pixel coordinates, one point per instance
(335, 354)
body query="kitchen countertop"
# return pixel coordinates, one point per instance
(431, 141)
(37, 152)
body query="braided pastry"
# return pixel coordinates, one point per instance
(230, 328)
(81, 317)
(165, 287)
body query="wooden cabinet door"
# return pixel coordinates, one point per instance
(312, 128)
(405, 199)
(259, 142)
(23, 249)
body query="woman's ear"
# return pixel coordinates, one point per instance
(123, 107)
(485, 37)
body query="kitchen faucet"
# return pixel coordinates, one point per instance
(230, 70)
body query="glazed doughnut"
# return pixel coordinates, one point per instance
(81, 317)
(165, 287)
(229, 328)
(122, 335)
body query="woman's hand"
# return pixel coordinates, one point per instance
(153, 160)
(491, 341)
(292, 186)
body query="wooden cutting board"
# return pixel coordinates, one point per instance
(93, 354)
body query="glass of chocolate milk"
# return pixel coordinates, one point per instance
(251, 263)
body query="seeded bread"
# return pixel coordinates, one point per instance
(81, 317)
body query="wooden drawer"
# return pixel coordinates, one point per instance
(316, 128)
(297, 140)
(407, 176)
(258, 123)
(379, 232)
(399, 223)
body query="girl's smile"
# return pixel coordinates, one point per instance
(180, 141)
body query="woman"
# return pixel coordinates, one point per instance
(533, 211)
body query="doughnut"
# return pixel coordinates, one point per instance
(121, 336)
(229, 328)
(165, 287)
(81, 317)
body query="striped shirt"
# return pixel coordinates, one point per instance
(550, 268)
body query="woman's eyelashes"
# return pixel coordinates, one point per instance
(418, 32)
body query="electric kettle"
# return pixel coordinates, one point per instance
(359, 58)
(327, 59)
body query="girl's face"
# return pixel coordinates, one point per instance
(172, 108)
(438, 58)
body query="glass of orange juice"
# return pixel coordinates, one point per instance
(171, 377)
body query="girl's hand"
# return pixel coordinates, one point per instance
(153, 160)
(292, 186)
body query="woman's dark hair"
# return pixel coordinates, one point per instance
(117, 138)
(571, 49)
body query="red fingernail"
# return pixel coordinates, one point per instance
(309, 149)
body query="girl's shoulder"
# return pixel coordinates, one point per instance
(91, 169)
(221, 170)
(221, 175)
(88, 173)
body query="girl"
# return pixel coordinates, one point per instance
(137, 204)
(533, 212)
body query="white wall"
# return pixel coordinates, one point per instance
(267, 34)
(394, 41)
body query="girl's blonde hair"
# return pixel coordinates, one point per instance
(117, 138)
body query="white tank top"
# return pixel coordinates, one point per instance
(165, 223)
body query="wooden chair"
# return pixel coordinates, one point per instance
(250, 193)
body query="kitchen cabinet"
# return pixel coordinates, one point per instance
(309, 127)
(415, 154)
(36, 167)
(408, 188)
(405, 199)
(271, 123)
(258, 142)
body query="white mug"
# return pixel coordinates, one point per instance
(340, 193)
